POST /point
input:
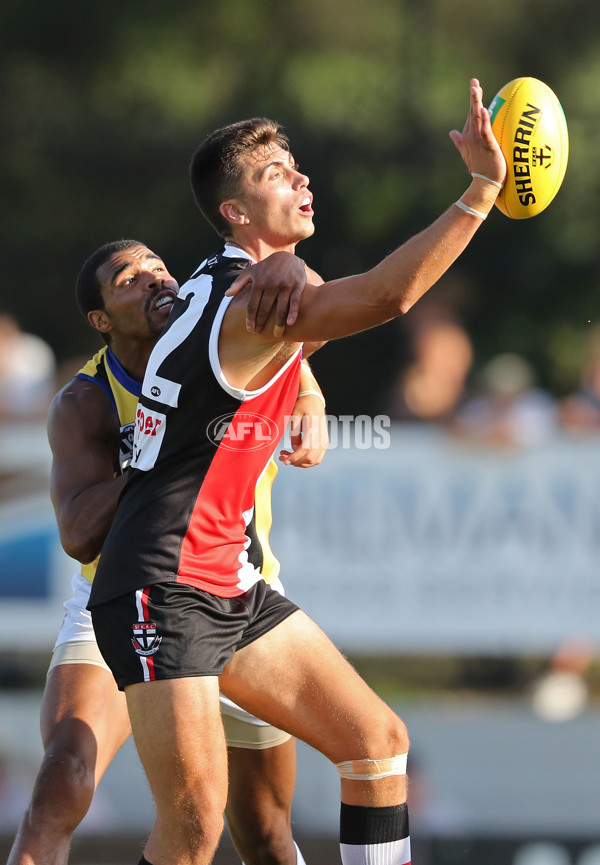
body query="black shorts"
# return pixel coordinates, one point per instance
(170, 630)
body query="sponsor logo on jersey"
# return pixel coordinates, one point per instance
(149, 432)
(243, 430)
(145, 640)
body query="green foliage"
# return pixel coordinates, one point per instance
(104, 103)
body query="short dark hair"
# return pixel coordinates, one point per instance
(88, 291)
(215, 169)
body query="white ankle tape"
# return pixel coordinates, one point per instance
(371, 770)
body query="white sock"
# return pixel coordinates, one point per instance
(299, 856)
(388, 853)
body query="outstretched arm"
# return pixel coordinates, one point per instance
(352, 304)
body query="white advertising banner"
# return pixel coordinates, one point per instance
(433, 545)
(421, 545)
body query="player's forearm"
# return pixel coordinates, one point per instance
(85, 519)
(392, 287)
(308, 381)
(398, 282)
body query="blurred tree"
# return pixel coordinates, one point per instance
(104, 102)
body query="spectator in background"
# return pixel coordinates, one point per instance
(430, 387)
(510, 410)
(580, 411)
(27, 373)
(561, 693)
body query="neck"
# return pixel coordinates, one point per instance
(259, 249)
(133, 356)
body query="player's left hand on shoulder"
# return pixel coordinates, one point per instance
(276, 285)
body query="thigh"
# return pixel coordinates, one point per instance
(179, 736)
(295, 678)
(84, 712)
(78, 652)
(168, 631)
(77, 623)
(245, 731)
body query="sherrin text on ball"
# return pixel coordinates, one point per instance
(530, 127)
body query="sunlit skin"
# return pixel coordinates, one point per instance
(274, 204)
(126, 277)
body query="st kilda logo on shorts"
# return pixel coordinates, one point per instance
(145, 639)
(243, 431)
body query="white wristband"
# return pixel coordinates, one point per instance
(312, 393)
(488, 179)
(460, 204)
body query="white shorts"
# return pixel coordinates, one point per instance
(76, 644)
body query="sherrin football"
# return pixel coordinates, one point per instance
(530, 127)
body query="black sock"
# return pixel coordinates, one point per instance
(374, 835)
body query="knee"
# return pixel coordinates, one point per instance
(396, 734)
(201, 829)
(196, 821)
(64, 786)
(386, 736)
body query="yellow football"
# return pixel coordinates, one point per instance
(530, 127)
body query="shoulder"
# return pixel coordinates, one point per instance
(81, 403)
(223, 261)
(226, 269)
(209, 282)
(313, 277)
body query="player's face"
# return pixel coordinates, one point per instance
(275, 197)
(138, 292)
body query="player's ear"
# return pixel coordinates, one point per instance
(99, 320)
(234, 211)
